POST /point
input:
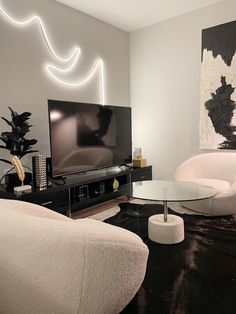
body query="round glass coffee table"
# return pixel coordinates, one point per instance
(166, 228)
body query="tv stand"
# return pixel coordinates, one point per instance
(55, 181)
(125, 166)
(81, 191)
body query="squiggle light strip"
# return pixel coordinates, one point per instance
(50, 67)
(36, 18)
(73, 56)
(98, 65)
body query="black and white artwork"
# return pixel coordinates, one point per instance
(218, 87)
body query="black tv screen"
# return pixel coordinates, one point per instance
(86, 136)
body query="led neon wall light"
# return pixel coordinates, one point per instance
(72, 58)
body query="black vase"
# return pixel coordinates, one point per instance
(12, 180)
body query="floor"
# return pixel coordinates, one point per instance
(197, 275)
(99, 208)
(107, 209)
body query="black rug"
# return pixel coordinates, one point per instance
(196, 276)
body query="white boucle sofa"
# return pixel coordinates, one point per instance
(217, 170)
(52, 264)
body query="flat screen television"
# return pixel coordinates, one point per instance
(86, 137)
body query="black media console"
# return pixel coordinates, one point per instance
(81, 190)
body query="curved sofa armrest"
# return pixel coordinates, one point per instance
(30, 209)
(218, 166)
(186, 171)
(120, 264)
(56, 266)
(233, 188)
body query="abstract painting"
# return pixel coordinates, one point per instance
(218, 87)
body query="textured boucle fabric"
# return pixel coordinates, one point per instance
(52, 264)
(216, 170)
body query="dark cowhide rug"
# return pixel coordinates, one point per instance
(196, 276)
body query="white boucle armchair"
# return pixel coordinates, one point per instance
(52, 264)
(217, 170)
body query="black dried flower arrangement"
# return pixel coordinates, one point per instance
(15, 141)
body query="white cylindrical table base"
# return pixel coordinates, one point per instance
(166, 232)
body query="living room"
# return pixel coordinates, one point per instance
(152, 65)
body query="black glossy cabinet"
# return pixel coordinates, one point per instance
(57, 200)
(141, 174)
(81, 191)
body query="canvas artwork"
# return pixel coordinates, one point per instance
(218, 87)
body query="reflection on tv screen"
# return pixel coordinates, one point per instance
(85, 136)
(92, 130)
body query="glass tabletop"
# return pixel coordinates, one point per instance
(169, 191)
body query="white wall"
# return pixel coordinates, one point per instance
(165, 86)
(25, 86)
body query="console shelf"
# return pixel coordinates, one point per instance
(81, 190)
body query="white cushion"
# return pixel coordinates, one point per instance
(220, 186)
(220, 166)
(52, 264)
(217, 170)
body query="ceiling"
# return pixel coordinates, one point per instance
(130, 15)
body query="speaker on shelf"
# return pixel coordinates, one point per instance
(49, 168)
(39, 166)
